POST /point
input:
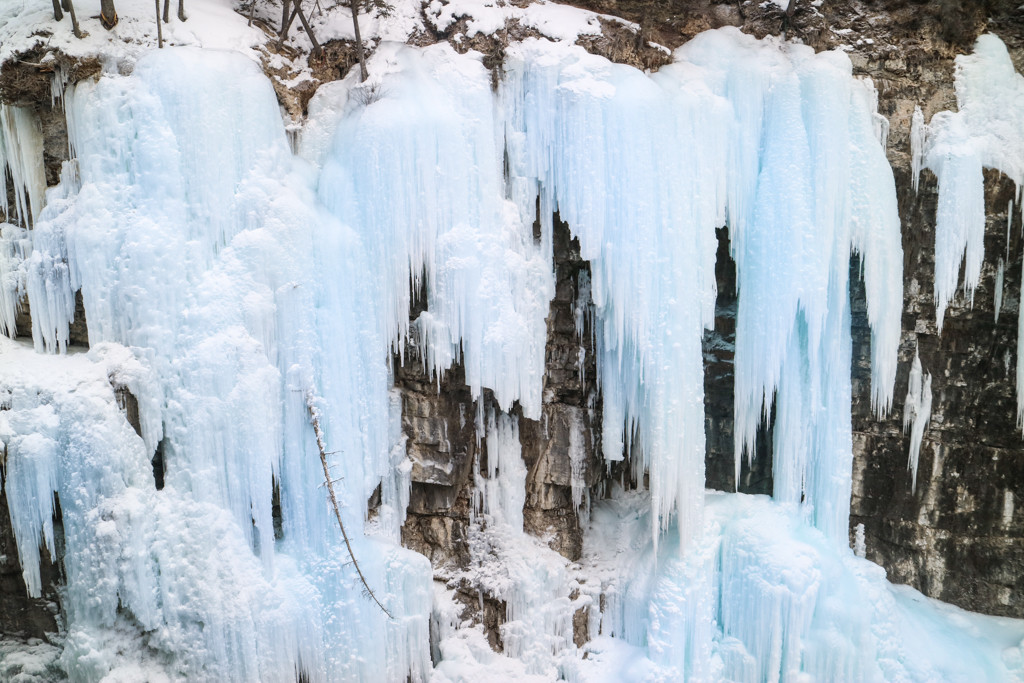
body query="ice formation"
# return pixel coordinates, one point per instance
(917, 411)
(986, 132)
(672, 157)
(190, 231)
(764, 597)
(21, 155)
(226, 279)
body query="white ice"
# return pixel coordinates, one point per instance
(190, 230)
(917, 411)
(764, 597)
(226, 280)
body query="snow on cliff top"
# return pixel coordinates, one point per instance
(221, 24)
(211, 24)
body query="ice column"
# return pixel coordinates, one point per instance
(15, 244)
(917, 411)
(635, 166)
(808, 185)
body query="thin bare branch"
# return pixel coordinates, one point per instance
(314, 418)
(309, 31)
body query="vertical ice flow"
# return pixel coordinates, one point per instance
(808, 183)
(21, 156)
(986, 132)
(416, 171)
(244, 279)
(190, 231)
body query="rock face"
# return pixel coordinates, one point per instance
(957, 536)
(440, 420)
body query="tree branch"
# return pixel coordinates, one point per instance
(314, 418)
(309, 31)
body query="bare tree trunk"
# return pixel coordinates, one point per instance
(286, 21)
(108, 15)
(363, 73)
(159, 26)
(74, 21)
(309, 32)
(167, 11)
(181, 11)
(287, 27)
(57, 14)
(787, 17)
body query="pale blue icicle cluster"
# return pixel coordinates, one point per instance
(986, 132)
(783, 146)
(226, 280)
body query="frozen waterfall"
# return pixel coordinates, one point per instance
(226, 279)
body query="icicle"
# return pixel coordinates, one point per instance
(15, 245)
(917, 411)
(58, 81)
(504, 491)
(21, 152)
(1009, 225)
(918, 133)
(1000, 269)
(578, 461)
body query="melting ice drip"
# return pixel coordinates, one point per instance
(227, 279)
